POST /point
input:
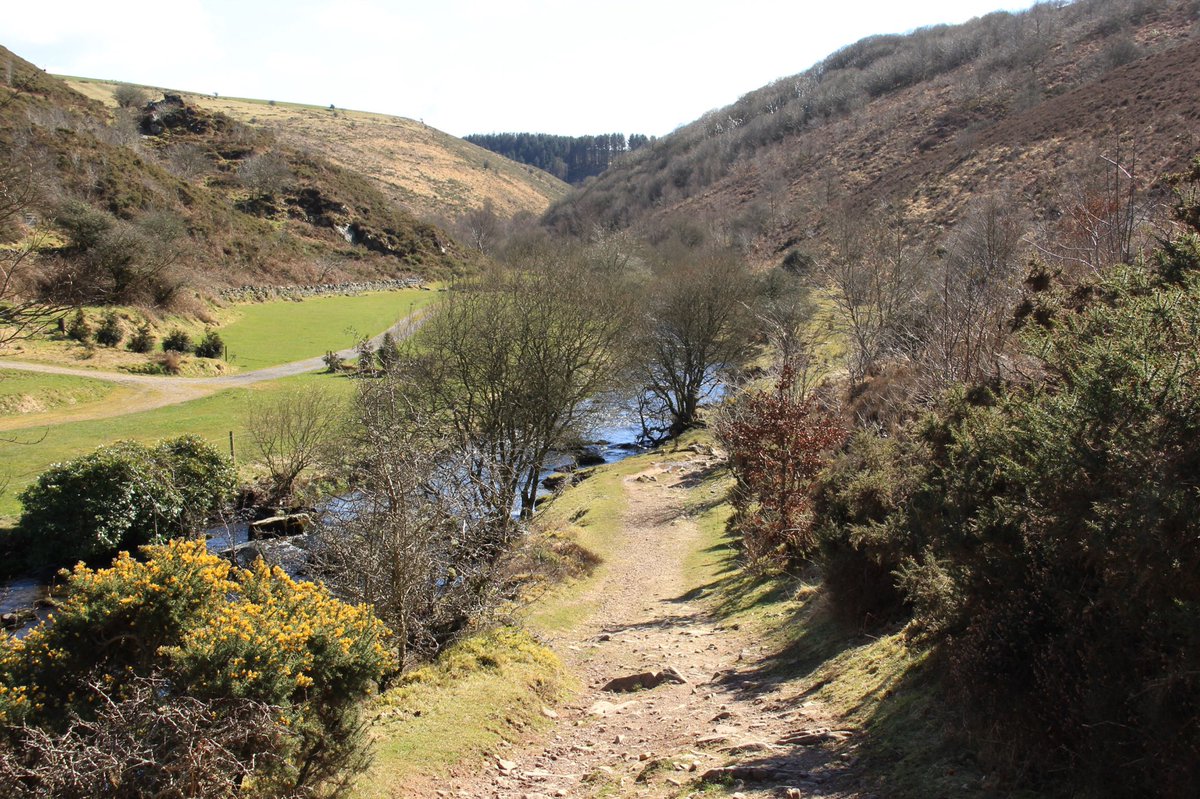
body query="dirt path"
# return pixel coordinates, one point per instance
(661, 742)
(157, 391)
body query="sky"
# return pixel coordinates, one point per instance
(466, 66)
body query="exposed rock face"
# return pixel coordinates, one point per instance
(317, 209)
(170, 113)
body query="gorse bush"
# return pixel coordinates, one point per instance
(122, 496)
(204, 631)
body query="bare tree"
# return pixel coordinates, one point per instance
(23, 311)
(482, 228)
(1101, 215)
(265, 173)
(693, 326)
(976, 284)
(419, 545)
(875, 272)
(130, 96)
(507, 363)
(294, 431)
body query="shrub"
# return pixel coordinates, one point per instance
(1062, 563)
(169, 363)
(143, 339)
(212, 633)
(177, 341)
(777, 443)
(128, 96)
(333, 362)
(860, 500)
(211, 346)
(122, 496)
(110, 333)
(79, 329)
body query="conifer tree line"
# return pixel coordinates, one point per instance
(569, 158)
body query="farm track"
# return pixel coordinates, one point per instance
(158, 391)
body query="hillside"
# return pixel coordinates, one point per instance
(430, 173)
(137, 205)
(1024, 105)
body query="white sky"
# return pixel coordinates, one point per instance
(466, 66)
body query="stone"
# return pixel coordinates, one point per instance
(644, 681)
(815, 737)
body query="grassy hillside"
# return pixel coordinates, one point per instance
(142, 205)
(428, 172)
(1022, 105)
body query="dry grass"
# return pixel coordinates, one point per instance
(431, 173)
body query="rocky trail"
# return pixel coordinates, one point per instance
(673, 700)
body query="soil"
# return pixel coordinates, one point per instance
(660, 742)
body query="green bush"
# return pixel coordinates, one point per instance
(177, 341)
(1063, 566)
(79, 329)
(205, 630)
(143, 340)
(110, 333)
(863, 531)
(122, 496)
(211, 346)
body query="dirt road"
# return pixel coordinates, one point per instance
(156, 391)
(726, 713)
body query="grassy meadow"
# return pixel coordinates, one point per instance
(273, 333)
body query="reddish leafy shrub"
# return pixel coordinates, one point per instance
(778, 442)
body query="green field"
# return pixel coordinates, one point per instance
(272, 333)
(29, 392)
(25, 454)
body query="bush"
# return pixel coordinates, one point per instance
(110, 333)
(777, 443)
(860, 500)
(177, 341)
(209, 632)
(1061, 564)
(143, 339)
(79, 329)
(128, 96)
(211, 346)
(334, 363)
(122, 496)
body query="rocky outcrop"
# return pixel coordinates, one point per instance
(171, 113)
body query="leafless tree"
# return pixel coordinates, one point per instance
(506, 365)
(265, 173)
(419, 543)
(23, 311)
(1101, 215)
(482, 228)
(294, 431)
(976, 284)
(875, 272)
(694, 324)
(129, 96)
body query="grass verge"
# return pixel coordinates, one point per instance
(28, 393)
(483, 692)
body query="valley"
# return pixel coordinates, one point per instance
(841, 442)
